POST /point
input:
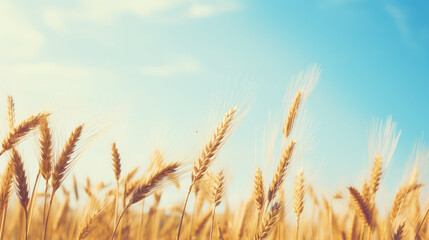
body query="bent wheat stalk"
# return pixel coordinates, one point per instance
(208, 155)
(63, 167)
(155, 181)
(18, 133)
(21, 184)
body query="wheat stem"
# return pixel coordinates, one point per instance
(119, 220)
(213, 215)
(32, 200)
(183, 211)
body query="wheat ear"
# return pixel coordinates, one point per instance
(6, 191)
(280, 172)
(399, 234)
(361, 205)
(270, 221)
(218, 191)
(19, 132)
(116, 162)
(154, 182)
(213, 146)
(90, 223)
(21, 184)
(298, 206)
(63, 167)
(375, 178)
(10, 111)
(293, 111)
(399, 200)
(209, 154)
(259, 193)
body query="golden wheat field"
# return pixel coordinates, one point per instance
(43, 209)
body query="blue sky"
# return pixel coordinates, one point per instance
(155, 71)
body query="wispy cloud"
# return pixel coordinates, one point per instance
(106, 11)
(18, 38)
(399, 17)
(198, 10)
(182, 66)
(52, 74)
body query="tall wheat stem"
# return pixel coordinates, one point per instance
(47, 215)
(183, 211)
(119, 220)
(211, 228)
(32, 200)
(141, 221)
(3, 222)
(421, 224)
(116, 203)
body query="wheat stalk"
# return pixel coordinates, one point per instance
(298, 206)
(21, 184)
(116, 159)
(362, 206)
(217, 192)
(45, 142)
(280, 172)
(209, 154)
(270, 221)
(18, 133)
(5, 193)
(399, 199)
(213, 146)
(375, 178)
(154, 182)
(293, 111)
(63, 166)
(10, 112)
(399, 234)
(90, 223)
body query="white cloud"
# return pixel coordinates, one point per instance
(180, 67)
(51, 75)
(17, 37)
(106, 11)
(206, 10)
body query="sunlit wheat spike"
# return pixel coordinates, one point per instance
(399, 234)
(365, 191)
(219, 188)
(280, 172)
(375, 177)
(19, 132)
(298, 206)
(399, 200)
(10, 111)
(20, 179)
(361, 205)
(75, 188)
(65, 161)
(270, 221)
(154, 181)
(293, 111)
(6, 186)
(90, 223)
(116, 162)
(45, 142)
(210, 151)
(259, 190)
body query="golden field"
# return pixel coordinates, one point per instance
(116, 211)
